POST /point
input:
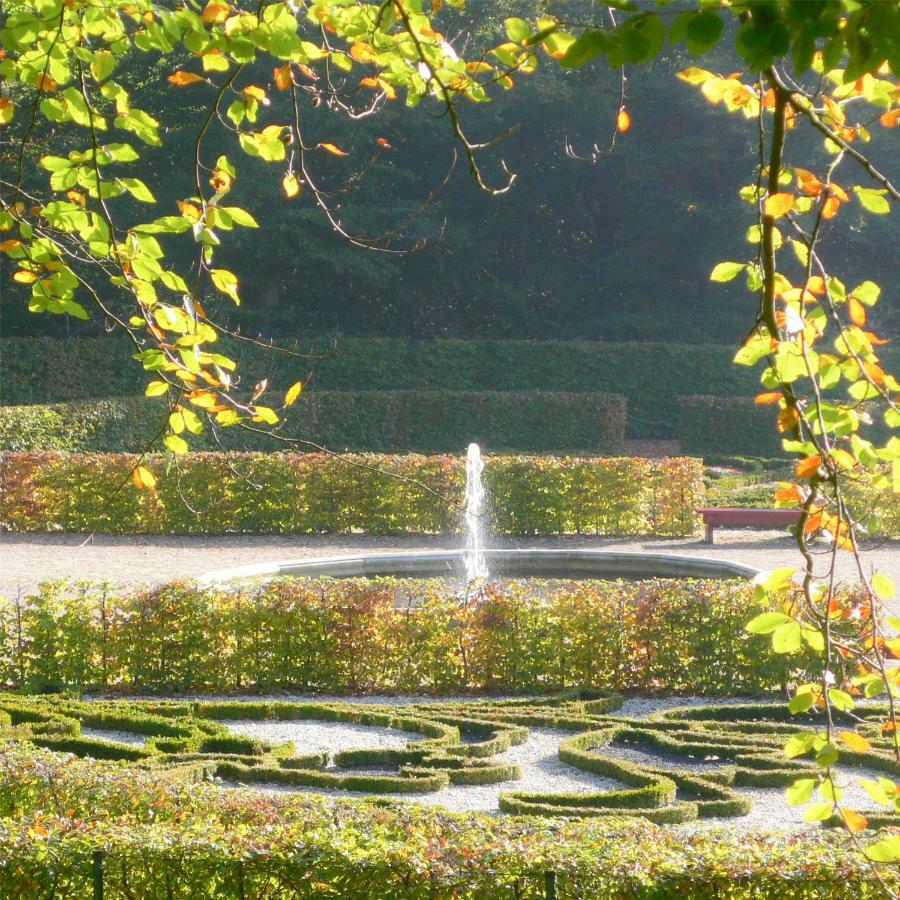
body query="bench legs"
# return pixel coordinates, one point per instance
(710, 528)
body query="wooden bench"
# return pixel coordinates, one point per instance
(736, 515)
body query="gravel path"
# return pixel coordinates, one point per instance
(26, 559)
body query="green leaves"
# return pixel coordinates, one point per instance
(266, 144)
(873, 199)
(768, 622)
(727, 271)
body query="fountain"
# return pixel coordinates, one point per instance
(477, 563)
(474, 560)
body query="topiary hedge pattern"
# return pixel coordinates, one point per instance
(155, 834)
(457, 743)
(379, 421)
(392, 635)
(203, 493)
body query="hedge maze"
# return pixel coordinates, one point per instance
(697, 757)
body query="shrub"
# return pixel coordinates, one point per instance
(733, 426)
(357, 636)
(310, 492)
(163, 836)
(383, 421)
(650, 375)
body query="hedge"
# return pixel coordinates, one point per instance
(383, 421)
(650, 375)
(710, 425)
(304, 493)
(161, 836)
(394, 636)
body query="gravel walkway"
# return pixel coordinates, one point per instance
(26, 559)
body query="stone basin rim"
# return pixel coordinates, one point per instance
(546, 563)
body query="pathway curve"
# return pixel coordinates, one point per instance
(26, 559)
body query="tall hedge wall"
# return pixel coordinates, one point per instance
(360, 635)
(733, 426)
(302, 493)
(650, 375)
(379, 421)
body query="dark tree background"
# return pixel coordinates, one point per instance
(616, 250)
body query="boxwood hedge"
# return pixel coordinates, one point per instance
(373, 421)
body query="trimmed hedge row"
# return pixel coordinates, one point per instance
(650, 375)
(374, 421)
(163, 836)
(394, 636)
(309, 492)
(710, 425)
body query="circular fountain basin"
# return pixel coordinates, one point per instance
(602, 564)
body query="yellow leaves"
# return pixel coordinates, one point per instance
(189, 211)
(788, 418)
(215, 12)
(156, 389)
(362, 52)
(333, 149)
(291, 185)
(254, 92)
(283, 77)
(767, 397)
(293, 392)
(854, 820)
(24, 277)
(477, 66)
(808, 466)
(779, 204)
(695, 75)
(842, 459)
(7, 108)
(180, 78)
(856, 311)
(623, 120)
(143, 478)
(854, 741)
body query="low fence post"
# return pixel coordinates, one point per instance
(550, 885)
(97, 870)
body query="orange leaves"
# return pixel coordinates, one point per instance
(333, 149)
(282, 77)
(767, 397)
(808, 182)
(384, 142)
(143, 478)
(854, 741)
(215, 12)
(788, 419)
(623, 120)
(45, 83)
(790, 493)
(362, 52)
(220, 180)
(180, 78)
(808, 466)
(10, 245)
(778, 205)
(291, 185)
(854, 820)
(891, 119)
(856, 311)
